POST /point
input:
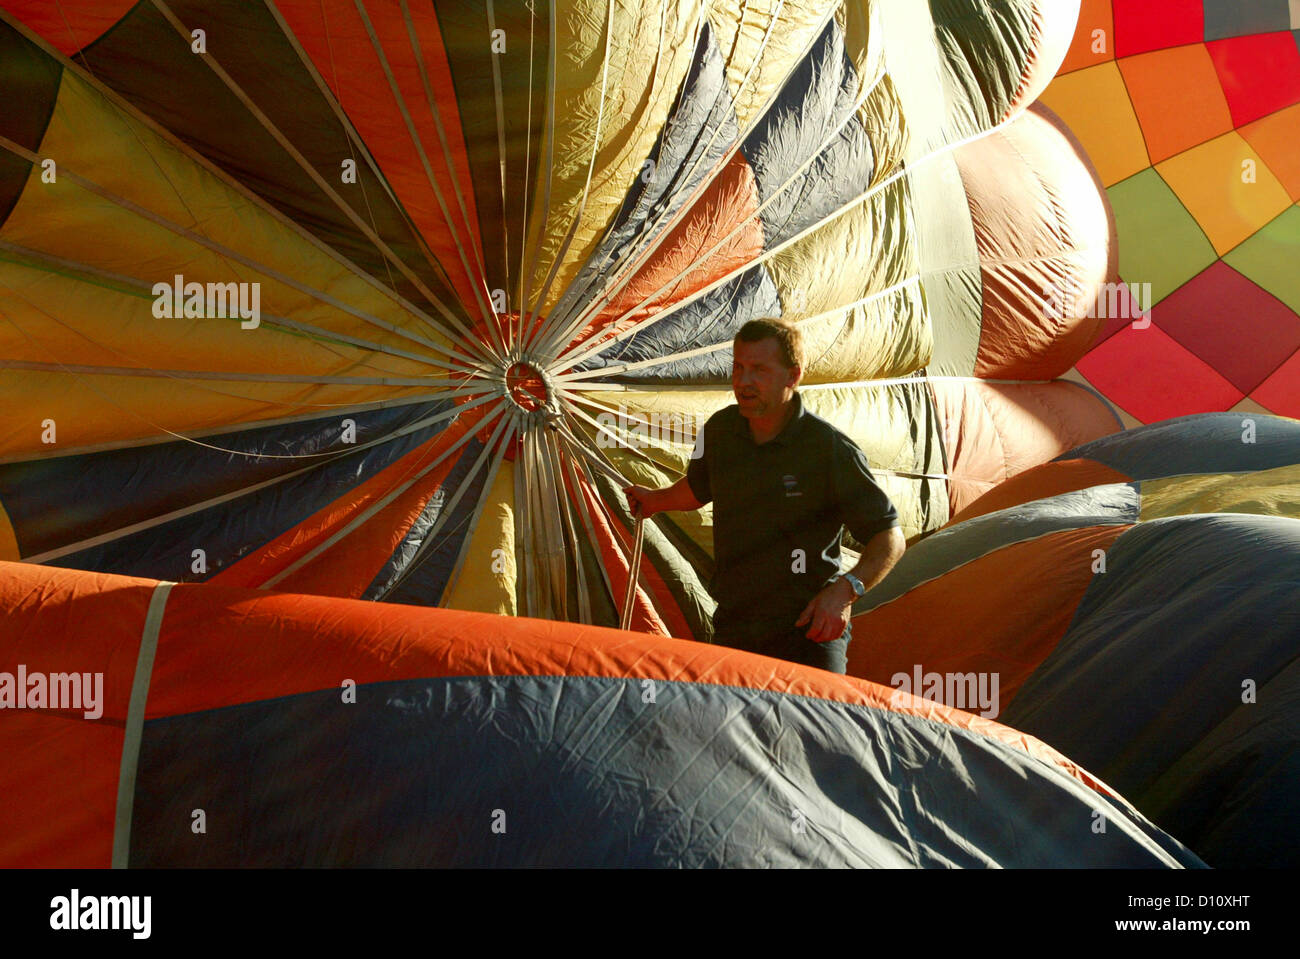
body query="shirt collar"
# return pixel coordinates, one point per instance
(789, 433)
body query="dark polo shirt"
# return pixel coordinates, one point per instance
(798, 491)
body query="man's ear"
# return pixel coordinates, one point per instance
(796, 374)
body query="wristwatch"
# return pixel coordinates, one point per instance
(858, 588)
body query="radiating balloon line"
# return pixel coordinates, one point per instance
(475, 279)
(558, 259)
(493, 449)
(226, 252)
(593, 374)
(501, 145)
(323, 185)
(659, 227)
(566, 301)
(570, 359)
(548, 161)
(567, 492)
(578, 494)
(418, 50)
(518, 323)
(163, 518)
(539, 337)
(797, 175)
(358, 521)
(85, 273)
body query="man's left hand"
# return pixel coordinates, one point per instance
(828, 612)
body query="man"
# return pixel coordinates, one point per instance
(784, 483)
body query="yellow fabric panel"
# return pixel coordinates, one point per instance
(479, 587)
(829, 273)
(740, 27)
(94, 409)
(1209, 181)
(8, 542)
(1274, 492)
(91, 138)
(668, 459)
(650, 52)
(1095, 105)
(881, 421)
(52, 317)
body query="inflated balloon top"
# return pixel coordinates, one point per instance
(385, 300)
(1190, 110)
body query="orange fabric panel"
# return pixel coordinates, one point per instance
(58, 782)
(994, 431)
(335, 38)
(69, 25)
(1043, 481)
(1274, 138)
(221, 647)
(1177, 97)
(729, 201)
(348, 567)
(1090, 46)
(1030, 243)
(1002, 613)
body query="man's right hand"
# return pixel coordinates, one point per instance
(642, 500)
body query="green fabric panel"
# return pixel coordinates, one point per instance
(949, 266)
(1159, 241)
(1270, 257)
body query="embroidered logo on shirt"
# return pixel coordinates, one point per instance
(791, 485)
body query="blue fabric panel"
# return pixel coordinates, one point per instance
(1153, 664)
(817, 97)
(55, 501)
(232, 529)
(432, 565)
(1200, 443)
(579, 771)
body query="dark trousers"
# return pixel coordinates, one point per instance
(790, 643)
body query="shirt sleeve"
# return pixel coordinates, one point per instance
(866, 509)
(697, 469)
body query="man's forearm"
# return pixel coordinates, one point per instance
(879, 555)
(679, 496)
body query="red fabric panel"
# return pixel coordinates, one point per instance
(58, 781)
(346, 59)
(1281, 391)
(1260, 74)
(729, 201)
(994, 431)
(1029, 243)
(1237, 327)
(1151, 377)
(1142, 25)
(69, 25)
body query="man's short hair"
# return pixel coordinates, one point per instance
(787, 336)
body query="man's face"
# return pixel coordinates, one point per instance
(759, 377)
